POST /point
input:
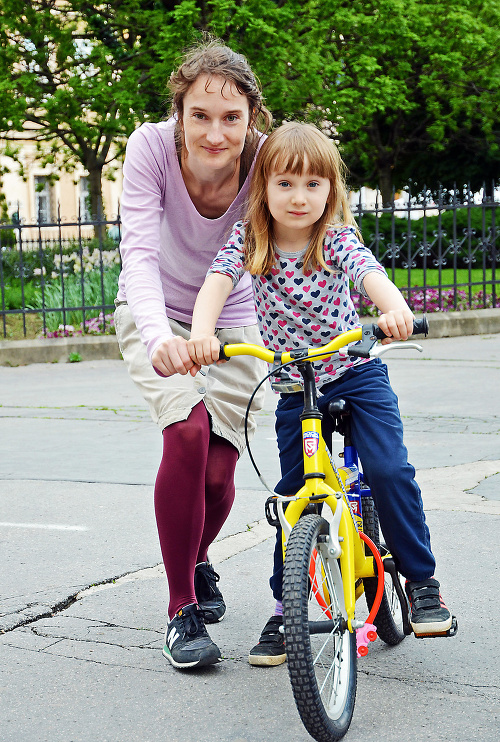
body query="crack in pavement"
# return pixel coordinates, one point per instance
(451, 488)
(100, 662)
(442, 682)
(219, 552)
(97, 624)
(55, 609)
(455, 688)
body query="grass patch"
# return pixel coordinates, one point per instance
(448, 278)
(14, 327)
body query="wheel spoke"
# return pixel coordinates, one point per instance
(389, 619)
(322, 666)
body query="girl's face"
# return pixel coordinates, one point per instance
(215, 122)
(296, 202)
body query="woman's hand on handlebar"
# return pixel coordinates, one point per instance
(172, 357)
(204, 349)
(397, 324)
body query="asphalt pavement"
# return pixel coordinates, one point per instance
(83, 594)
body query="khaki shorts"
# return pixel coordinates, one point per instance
(225, 389)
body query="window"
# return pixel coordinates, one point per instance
(42, 199)
(85, 215)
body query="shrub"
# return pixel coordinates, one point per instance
(7, 238)
(13, 294)
(85, 290)
(95, 326)
(74, 256)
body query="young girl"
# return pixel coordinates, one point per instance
(300, 244)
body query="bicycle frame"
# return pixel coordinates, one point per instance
(324, 483)
(327, 484)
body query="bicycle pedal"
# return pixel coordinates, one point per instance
(452, 631)
(271, 511)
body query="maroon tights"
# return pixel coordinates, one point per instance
(194, 492)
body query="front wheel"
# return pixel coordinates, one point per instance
(389, 618)
(321, 652)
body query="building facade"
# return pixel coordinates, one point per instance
(42, 195)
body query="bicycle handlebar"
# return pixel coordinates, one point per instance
(420, 327)
(367, 334)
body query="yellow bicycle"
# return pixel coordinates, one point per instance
(330, 562)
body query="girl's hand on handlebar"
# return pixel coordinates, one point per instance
(172, 357)
(204, 349)
(397, 324)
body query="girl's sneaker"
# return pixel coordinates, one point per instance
(208, 595)
(270, 650)
(187, 643)
(429, 615)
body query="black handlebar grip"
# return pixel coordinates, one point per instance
(222, 355)
(420, 327)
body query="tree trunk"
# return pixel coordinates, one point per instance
(4, 211)
(96, 203)
(385, 184)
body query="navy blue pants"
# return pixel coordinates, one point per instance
(377, 434)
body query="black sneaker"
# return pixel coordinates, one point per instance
(429, 615)
(271, 647)
(187, 643)
(208, 595)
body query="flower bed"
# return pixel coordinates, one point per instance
(101, 325)
(434, 300)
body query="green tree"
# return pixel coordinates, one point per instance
(403, 86)
(83, 74)
(74, 73)
(404, 79)
(276, 36)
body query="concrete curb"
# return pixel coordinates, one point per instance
(471, 322)
(58, 350)
(100, 347)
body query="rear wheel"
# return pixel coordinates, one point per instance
(389, 619)
(322, 666)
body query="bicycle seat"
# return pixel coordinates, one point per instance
(339, 410)
(338, 407)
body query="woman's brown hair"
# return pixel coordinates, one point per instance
(285, 151)
(212, 58)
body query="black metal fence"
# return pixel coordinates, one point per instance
(440, 249)
(58, 278)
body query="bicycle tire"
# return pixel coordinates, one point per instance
(388, 621)
(322, 667)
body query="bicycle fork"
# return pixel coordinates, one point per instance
(342, 550)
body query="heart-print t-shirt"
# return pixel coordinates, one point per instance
(297, 311)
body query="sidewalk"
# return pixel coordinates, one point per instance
(83, 597)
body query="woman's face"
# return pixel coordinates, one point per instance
(215, 122)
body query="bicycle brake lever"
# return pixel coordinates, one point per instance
(379, 350)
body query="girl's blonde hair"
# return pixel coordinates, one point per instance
(285, 151)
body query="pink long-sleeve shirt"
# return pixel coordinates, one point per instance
(167, 246)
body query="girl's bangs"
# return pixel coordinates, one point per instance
(292, 157)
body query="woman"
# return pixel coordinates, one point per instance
(185, 184)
